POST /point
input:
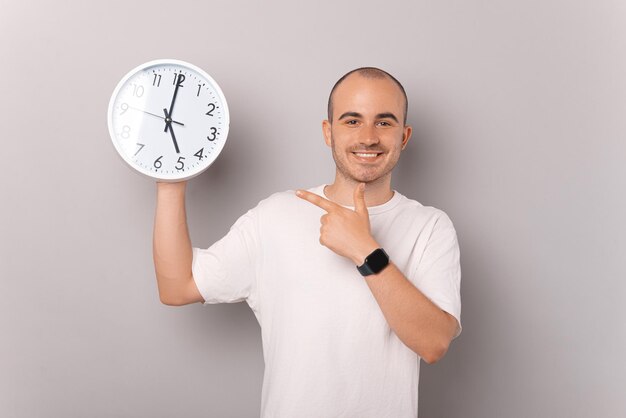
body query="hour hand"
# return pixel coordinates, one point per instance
(168, 124)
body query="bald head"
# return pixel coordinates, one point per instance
(371, 73)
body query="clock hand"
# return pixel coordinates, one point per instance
(179, 82)
(154, 114)
(168, 123)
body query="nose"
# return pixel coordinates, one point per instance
(369, 135)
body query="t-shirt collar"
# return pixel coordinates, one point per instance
(373, 210)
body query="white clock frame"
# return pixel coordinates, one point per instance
(220, 133)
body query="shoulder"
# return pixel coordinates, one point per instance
(279, 200)
(288, 199)
(426, 214)
(283, 204)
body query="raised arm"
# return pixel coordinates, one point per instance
(172, 251)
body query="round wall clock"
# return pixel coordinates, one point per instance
(168, 120)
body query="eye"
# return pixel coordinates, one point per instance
(351, 122)
(384, 123)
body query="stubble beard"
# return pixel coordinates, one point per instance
(366, 176)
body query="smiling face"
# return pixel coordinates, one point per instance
(367, 131)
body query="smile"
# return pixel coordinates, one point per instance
(366, 156)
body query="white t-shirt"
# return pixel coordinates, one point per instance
(328, 349)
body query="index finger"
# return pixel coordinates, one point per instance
(317, 200)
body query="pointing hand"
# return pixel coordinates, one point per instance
(345, 231)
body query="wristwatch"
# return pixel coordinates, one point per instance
(374, 263)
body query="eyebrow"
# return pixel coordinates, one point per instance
(387, 115)
(379, 116)
(350, 115)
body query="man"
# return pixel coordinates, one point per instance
(343, 327)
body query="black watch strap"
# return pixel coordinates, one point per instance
(374, 263)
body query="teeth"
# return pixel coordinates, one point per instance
(365, 155)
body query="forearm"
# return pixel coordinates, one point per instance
(172, 251)
(419, 323)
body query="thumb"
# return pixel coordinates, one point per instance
(359, 199)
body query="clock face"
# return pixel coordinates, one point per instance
(168, 120)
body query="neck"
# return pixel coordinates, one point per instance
(377, 192)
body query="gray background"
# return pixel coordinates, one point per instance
(518, 109)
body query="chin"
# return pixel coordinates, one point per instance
(361, 177)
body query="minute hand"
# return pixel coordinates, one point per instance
(179, 81)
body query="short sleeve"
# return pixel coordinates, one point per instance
(226, 271)
(438, 274)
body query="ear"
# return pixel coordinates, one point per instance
(326, 130)
(408, 130)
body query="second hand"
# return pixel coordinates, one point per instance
(154, 114)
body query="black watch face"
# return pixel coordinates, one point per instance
(377, 260)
